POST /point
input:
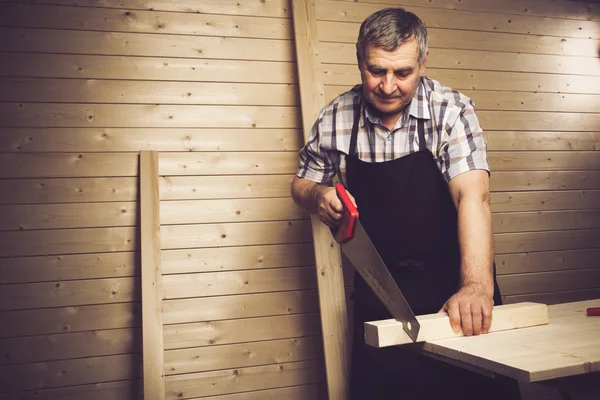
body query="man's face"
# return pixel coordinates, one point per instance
(390, 79)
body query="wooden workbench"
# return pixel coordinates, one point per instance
(557, 353)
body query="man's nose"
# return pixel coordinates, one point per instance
(388, 85)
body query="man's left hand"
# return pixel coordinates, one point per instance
(470, 309)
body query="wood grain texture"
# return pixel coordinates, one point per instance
(545, 200)
(389, 332)
(119, 390)
(552, 281)
(151, 279)
(518, 263)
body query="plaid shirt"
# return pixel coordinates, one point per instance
(456, 142)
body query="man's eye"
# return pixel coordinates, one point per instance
(403, 74)
(377, 72)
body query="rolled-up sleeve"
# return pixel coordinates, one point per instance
(314, 163)
(466, 148)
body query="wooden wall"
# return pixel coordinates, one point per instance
(86, 84)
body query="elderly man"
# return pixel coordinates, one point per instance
(411, 153)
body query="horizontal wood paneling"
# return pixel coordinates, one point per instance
(538, 121)
(69, 190)
(544, 180)
(151, 116)
(465, 77)
(343, 32)
(543, 160)
(70, 345)
(544, 8)
(69, 267)
(187, 386)
(242, 282)
(547, 261)
(339, 53)
(546, 221)
(545, 200)
(70, 241)
(70, 372)
(507, 140)
(144, 45)
(146, 92)
(114, 20)
(549, 281)
(69, 319)
(120, 390)
(546, 241)
(33, 140)
(313, 392)
(69, 293)
(228, 308)
(64, 216)
(236, 258)
(471, 20)
(86, 66)
(556, 297)
(239, 234)
(242, 355)
(271, 8)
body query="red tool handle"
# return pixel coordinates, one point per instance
(345, 231)
(593, 312)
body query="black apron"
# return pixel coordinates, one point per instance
(406, 208)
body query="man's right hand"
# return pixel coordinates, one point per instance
(319, 199)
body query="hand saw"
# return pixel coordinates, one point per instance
(359, 249)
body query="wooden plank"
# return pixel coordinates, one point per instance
(152, 323)
(344, 32)
(271, 8)
(69, 241)
(70, 372)
(559, 297)
(545, 221)
(33, 140)
(508, 264)
(461, 79)
(152, 116)
(119, 390)
(339, 53)
(69, 319)
(543, 160)
(545, 201)
(389, 332)
(244, 330)
(144, 45)
(224, 187)
(63, 346)
(243, 282)
(303, 392)
(546, 241)
(537, 121)
(67, 190)
(212, 358)
(542, 8)
(25, 296)
(69, 267)
(87, 66)
(549, 281)
(544, 180)
(244, 379)
(235, 258)
(507, 140)
(568, 345)
(115, 20)
(144, 92)
(236, 234)
(459, 19)
(327, 252)
(65, 216)
(219, 308)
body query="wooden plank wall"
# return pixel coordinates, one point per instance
(86, 85)
(212, 85)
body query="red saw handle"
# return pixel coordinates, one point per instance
(345, 231)
(593, 312)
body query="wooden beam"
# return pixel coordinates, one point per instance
(389, 332)
(153, 353)
(332, 301)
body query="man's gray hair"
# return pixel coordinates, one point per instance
(388, 29)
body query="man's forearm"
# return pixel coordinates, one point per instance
(476, 243)
(307, 194)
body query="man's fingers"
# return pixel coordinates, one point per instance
(487, 319)
(477, 318)
(466, 319)
(454, 314)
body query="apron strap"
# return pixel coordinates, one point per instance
(353, 151)
(421, 133)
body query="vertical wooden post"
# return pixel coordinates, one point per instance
(332, 300)
(152, 327)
